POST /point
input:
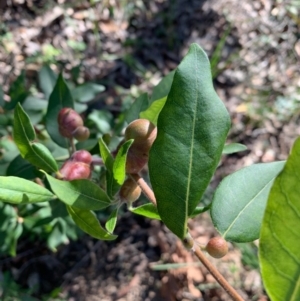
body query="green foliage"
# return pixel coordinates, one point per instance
(240, 200)
(279, 238)
(192, 129)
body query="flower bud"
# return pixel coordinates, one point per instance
(143, 132)
(217, 247)
(81, 156)
(75, 171)
(82, 133)
(68, 121)
(136, 160)
(130, 191)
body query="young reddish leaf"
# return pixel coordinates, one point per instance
(60, 98)
(87, 222)
(192, 128)
(279, 245)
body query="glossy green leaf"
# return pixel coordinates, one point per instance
(153, 111)
(163, 88)
(240, 200)
(19, 191)
(17, 92)
(87, 222)
(106, 155)
(21, 168)
(147, 210)
(139, 105)
(60, 98)
(112, 221)
(192, 128)
(87, 91)
(82, 194)
(47, 80)
(233, 148)
(119, 167)
(279, 246)
(36, 153)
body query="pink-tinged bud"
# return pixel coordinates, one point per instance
(129, 191)
(82, 133)
(136, 160)
(81, 156)
(217, 247)
(68, 121)
(75, 171)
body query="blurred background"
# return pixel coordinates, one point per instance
(127, 47)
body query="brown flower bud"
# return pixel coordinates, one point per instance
(68, 121)
(130, 191)
(143, 132)
(217, 247)
(82, 133)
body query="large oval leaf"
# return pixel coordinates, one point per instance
(21, 168)
(82, 194)
(36, 153)
(19, 191)
(240, 200)
(192, 129)
(87, 222)
(279, 238)
(59, 98)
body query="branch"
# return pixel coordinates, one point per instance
(189, 243)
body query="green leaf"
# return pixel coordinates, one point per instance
(192, 129)
(33, 103)
(140, 104)
(87, 91)
(47, 80)
(199, 210)
(233, 148)
(87, 222)
(36, 153)
(153, 111)
(239, 202)
(21, 168)
(106, 155)
(17, 92)
(163, 88)
(60, 98)
(279, 246)
(19, 191)
(102, 120)
(119, 167)
(2, 101)
(82, 194)
(112, 221)
(147, 210)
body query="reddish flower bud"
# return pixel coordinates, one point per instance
(81, 156)
(75, 171)
(217, 247)
(68, 121)
(129, 191)
(82, 133)
(136, 160)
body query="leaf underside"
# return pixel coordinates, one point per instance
(192, 128)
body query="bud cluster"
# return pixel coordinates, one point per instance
(78, 166)
(70, 125)
(144, 133)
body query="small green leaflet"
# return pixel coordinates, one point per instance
(87, 222)
(20, 191)
(147, 210)
(82, 194)
(36, 153)
(112, 221)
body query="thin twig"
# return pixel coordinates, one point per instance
(190, 243)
